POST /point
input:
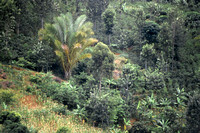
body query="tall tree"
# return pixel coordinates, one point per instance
(148, 55)
(96, 8)
(109, 18)
(103, 62)
(69, 39)
(8, 9)
(43, 8)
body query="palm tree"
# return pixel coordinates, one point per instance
(69, 39)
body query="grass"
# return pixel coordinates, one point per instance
(40, 116)
(37, 110)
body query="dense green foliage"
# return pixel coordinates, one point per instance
(11, 122)
(9, 116)
(152, 46)
(15, 128)
(193, 115)
(109, 20)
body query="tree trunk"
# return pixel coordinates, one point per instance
(166, 67)
(173, 41)
(109, 39)
(146, 65)
(95, 25)
(67, 74)
(100, 84)
(17, 30)
(77, 7)
(42, 22)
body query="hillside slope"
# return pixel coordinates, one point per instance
(38, 112)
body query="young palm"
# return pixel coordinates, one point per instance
(69, 39)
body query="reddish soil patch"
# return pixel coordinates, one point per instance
(30, 101)
(18, 68)
(130, 48)
(116, 74)
(118, 65)
(117, 53)
(7, 84)
(117, 62)
(2, 74)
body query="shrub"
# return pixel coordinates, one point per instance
(30, 89)
(131, 78)
(193, 114)
(45, 83)
(103, 107)
(11, 116)
(192, 19)
(15, 128)
(7, 96)
(22, 62)
(86, 82)
(150, 31)
(36, 78)
(68, 95)
(63, 130)
(154, 80)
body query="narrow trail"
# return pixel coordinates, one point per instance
(118, 62)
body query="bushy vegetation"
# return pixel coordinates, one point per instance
(11, 122)
(10, 116)
(7, 97)
(15, 128)
(128, 65)
(192, 114)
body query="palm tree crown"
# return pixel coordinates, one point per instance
(69, 39)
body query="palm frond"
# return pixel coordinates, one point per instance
(61, 26)
(89, 42)
(49, 28)
(71, 39)
(81, 57)
(78, 45)
(57, 44)
(87, 28)
(80, 35)
(79, 22)
(70, 23)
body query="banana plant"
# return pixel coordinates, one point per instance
(151, 101)
(149, 114)
(115, 129)
(181, 96)
(163, 124)
(126, 123)
(80, 112)
(5, 107)
(165, 102)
